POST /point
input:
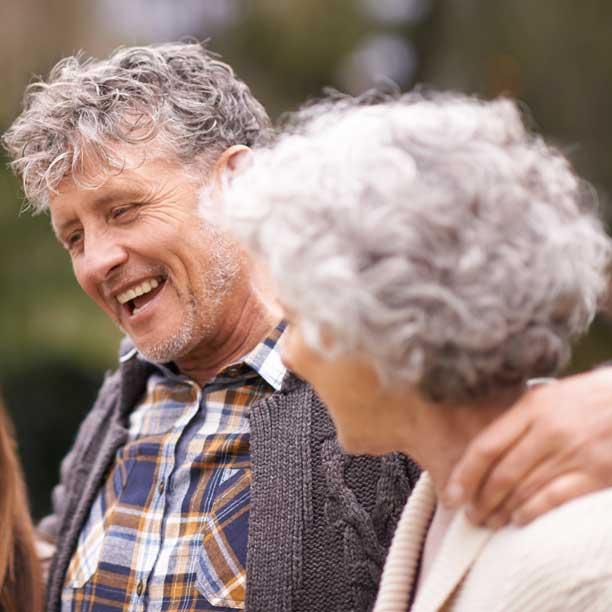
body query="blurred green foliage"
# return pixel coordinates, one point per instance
(43, 312)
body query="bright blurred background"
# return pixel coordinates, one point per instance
(552, 54)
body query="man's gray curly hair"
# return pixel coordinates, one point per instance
(178, 93)
(432, 232)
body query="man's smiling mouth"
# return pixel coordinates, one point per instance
(139, 295)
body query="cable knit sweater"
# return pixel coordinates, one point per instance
(320, 521)
(560, 562)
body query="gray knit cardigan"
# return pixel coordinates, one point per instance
(320, 522)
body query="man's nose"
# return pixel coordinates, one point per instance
(103, 256)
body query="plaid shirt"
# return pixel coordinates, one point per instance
(168, 530)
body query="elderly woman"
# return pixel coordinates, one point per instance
(432, 257)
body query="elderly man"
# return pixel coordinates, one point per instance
(200, 452)
(205, 477)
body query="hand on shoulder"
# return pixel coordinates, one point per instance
(554, 445)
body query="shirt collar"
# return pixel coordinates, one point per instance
(264, 359)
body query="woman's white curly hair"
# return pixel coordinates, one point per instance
(177, 93)
(434, 232)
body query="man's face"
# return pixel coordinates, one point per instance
(140, 250)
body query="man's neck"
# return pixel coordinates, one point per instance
(252, 321)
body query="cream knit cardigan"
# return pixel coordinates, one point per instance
(560, 562)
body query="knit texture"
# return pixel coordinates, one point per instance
(560, 562)
(320, 522)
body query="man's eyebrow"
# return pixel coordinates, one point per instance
(60, 228)
(116, 195)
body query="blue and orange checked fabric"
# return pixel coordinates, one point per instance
(168, 530)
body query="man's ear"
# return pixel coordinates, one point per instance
(232, 161)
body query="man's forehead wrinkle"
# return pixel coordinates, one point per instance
(164, 189)
(98, 198)
(142, 177)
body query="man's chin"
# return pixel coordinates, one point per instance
(164, 350)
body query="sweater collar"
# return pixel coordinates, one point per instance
(461, 546)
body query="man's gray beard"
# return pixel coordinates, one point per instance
(176, 346)
(190, 334)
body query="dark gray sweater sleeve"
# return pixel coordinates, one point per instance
(48, 528)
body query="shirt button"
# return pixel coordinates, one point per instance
(162, 487)
(139, 588)
(233, 371)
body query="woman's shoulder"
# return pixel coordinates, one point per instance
(583, 523)
(564, 556)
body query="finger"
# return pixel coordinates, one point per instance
(498, 519)
(561, 490)
(482, 454)
(528, 486)
(507, 475)
(585, 455)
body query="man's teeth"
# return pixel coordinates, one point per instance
(141, 289)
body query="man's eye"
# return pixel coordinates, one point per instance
(118, 212)
(73, 240)
(122, 211)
